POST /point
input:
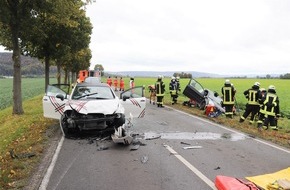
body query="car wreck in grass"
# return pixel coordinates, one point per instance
(93, 107)
(202, 97)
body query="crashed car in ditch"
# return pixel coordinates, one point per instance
(202, 97)
(92, 106)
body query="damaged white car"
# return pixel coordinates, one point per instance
(92, 106)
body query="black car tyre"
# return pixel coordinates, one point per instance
(119, 121)
(64, 127)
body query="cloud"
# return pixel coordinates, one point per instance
(224, 36)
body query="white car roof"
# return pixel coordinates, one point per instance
(93, 80)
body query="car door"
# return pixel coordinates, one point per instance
(134, 102)
(54, 100)
(195, 91)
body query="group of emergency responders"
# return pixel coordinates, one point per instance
(262, 104)
(116, 83)
(158, 89)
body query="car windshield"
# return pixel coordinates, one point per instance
(92, 92)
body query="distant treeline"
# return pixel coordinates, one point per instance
(183, 75)
(29, 66)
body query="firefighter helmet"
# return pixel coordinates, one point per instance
(227, 81)
(173, 78)
(271, 87)
(159, 76)
(257, 84)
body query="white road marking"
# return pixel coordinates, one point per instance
(46, 178)
(191, 167)
(233, 131)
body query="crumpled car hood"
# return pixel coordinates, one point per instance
(95, 106)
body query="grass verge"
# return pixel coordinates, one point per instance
(280, 137)
(23, 140)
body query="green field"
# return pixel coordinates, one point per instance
(30, 87)
(282, 87)
(35, 86)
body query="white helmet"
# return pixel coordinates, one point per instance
(271, 87)
(178, 78)
(173, 78)
(257, 84)
(263, 90)
(227, 81)
(159, 76)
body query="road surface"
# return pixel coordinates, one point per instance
(176, 151)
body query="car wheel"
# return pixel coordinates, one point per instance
(63, 125)
(119, 121)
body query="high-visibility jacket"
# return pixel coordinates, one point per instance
(173, 87)
(160, 88)
(115, 83)
(253, 95)
(228, 94)
(132, 84)
(109, 81)
(271, 104)
(122, 84)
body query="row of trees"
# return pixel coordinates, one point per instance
(57, 32)
(183, 75)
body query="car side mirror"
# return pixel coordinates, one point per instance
(60, 96)
(125, 98)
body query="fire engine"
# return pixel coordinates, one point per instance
(84, 74)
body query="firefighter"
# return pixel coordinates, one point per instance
(228, 92)
(253, 106)
(173, 90)
(122, 84)
(152, 91)
(109, 81)
(132, 83)
(160, 89)
(270, 110)
(116, 83)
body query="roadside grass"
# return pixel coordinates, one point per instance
(280, 137)
(24, 138)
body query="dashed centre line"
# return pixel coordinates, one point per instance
(191, 167)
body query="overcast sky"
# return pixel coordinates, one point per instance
(215, 36)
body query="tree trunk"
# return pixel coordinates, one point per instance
(46, 60)
(73, 77)
(65, 76)
(58, 75)
(17, 94)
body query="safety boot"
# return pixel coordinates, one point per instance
(274, 128)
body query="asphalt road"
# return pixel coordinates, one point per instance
(162, 162)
